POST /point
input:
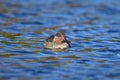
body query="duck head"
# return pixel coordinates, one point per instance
(59, 37)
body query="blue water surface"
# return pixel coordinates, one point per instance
(93, 27)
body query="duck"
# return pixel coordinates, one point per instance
(57, 41)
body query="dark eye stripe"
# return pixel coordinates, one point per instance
(58, 35)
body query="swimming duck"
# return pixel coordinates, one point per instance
(57, 41)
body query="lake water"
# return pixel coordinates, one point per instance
(93, 27)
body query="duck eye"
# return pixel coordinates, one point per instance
(58, 35)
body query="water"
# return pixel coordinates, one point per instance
(92, 27)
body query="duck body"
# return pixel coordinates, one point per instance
(57, 41)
